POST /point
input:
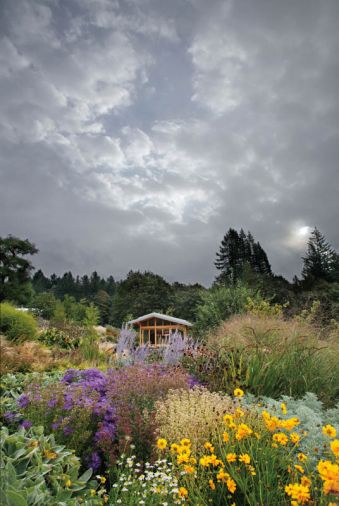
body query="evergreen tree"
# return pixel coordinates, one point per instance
(237, 251)
(15, 270)
(321, 260)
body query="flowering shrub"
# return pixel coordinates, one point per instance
(133, 391)
(34, 470)
(255, 458)
(99, 414)
(194, 414)
(67, 337)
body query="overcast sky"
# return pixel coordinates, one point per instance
(134, 133)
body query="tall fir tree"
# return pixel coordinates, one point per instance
(238, 251)
(321, 260)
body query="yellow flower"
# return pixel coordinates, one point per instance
(193, 460)
(183, 459)
(174, 448)
(228, 419)
(225, 437)
(299, 468)
(208, 446)
(289, 424)
(245, 458)
(252, 470)
(295, 438)
(205, 461)
(280, 438)
(231, 457)
(161, 444)
(92, 492)
(239, 413)
(189, 469)
(238, 392)
(185, 442)
(300, 493)
(329, 430)
(68, 483)
(231, 485)
(211, 484)
(283, 408)
(222, 476)
(50, 455)
(183, 492)
(305, 481)
(243, 431)
(335, 447)
(302, 457)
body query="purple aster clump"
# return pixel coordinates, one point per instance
(23, 401)
(94, 461)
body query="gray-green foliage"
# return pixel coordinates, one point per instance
(13, 385)
(35, 471)
(312, 415)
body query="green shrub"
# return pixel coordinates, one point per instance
(219, 304)
(66, 337)
(35, 471)
(16, 325)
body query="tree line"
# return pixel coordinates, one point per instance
(240, 259)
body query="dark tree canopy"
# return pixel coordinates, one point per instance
(321, 261)
(15, 269)
(238, 250)
(140, 293)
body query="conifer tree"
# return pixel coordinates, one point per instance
(320, 260)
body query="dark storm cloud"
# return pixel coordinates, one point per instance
(134, 133)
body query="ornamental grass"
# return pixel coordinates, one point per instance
(193, 414)
(270, 356)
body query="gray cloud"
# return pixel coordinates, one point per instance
(134, 133)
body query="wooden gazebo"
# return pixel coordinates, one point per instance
(154, 328)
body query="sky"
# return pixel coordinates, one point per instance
(134, 133)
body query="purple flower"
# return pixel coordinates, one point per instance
(26, 424)
(9, 415)
(94, 461)
(105, 432)
(67, 430)
(52, 403)
(23, 401)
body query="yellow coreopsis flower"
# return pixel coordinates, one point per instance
(329, 430)
(211, 484)
(228, 419)
(243, 431)
(183, 492)
(225, 437)
(244, 458)
(238, 392)
(161, 443)
(209, 446)
(299, 468)
(231, 457)
(174, 447)
(231, 485)
(302, 457)
(185, 442)
(335, 447)
(295, 438)
(183, 459)
(305, 481)
(189, 469)
(283, 408)
(280, 438)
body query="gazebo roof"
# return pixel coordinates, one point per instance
(161, 317)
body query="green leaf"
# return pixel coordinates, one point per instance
(86, 476)
(15, 499)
